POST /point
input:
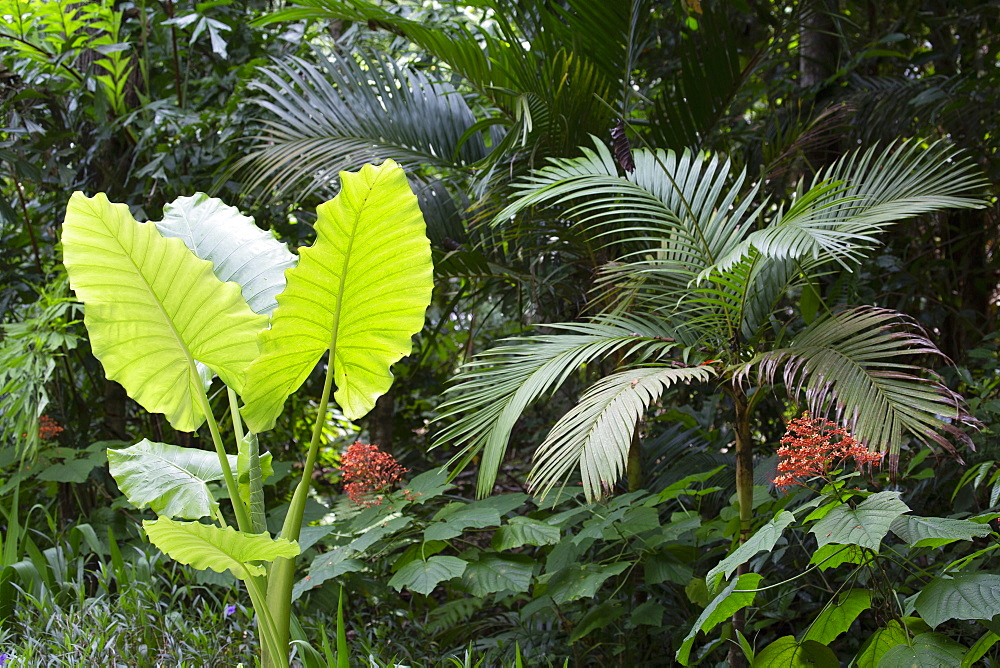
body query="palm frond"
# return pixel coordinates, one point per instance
(597, 433)
(544, 69)
(849, 363)
(840, 217)
(708, 84)
(683, 205)
(491, 391)
(680, 451)
(343, 113)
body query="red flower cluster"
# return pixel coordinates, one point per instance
(368, 472)
(812, 446)
(48, 428)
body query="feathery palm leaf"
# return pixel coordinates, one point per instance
(597, 433)
(543, 68)
(500, 383)
(848, 363)
(686, 204)
(709, 82)
(850, 203)
(340, 114)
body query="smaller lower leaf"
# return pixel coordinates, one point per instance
(762, 541)
(926, 649)
(786, 652)
(936, 531)
(838, 617)
(524, 531)
(208, 547)
(423, 576)
(879, 643)
(493, 573)
(720, 609)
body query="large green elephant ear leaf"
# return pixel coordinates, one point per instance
(154, 310)
(238, 250)
(359, 291)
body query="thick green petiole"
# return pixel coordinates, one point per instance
(282, 572)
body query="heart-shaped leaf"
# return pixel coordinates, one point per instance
(171, 480)
(238, 250)
(154, 310)
(359, 291)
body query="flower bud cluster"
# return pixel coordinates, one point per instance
(369, 473)
(48, 428)
(813, 447)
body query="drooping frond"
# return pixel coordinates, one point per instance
(840, 217)
(342, 113)
(493, 389)
(597, 433)
(850, 364)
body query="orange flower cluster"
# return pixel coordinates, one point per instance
(48, 428)
(812, 446)
(368, 472)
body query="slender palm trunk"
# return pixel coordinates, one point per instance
(633, 467)
(744, 495)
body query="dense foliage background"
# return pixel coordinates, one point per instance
(262, 103)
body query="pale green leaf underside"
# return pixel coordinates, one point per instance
(171, 480)
(238, 250)
(153, 309)
(763, 540)
(208, 547)
(360, 291)
(936, 531)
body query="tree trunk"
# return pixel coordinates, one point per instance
(744, 496)
(634, 465)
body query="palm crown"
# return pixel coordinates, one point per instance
(698, 292)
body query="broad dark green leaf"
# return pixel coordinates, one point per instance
(965, 596)
(865, 525)
(524, 531)
(495, 573)
(577, 581)
(423, 576)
